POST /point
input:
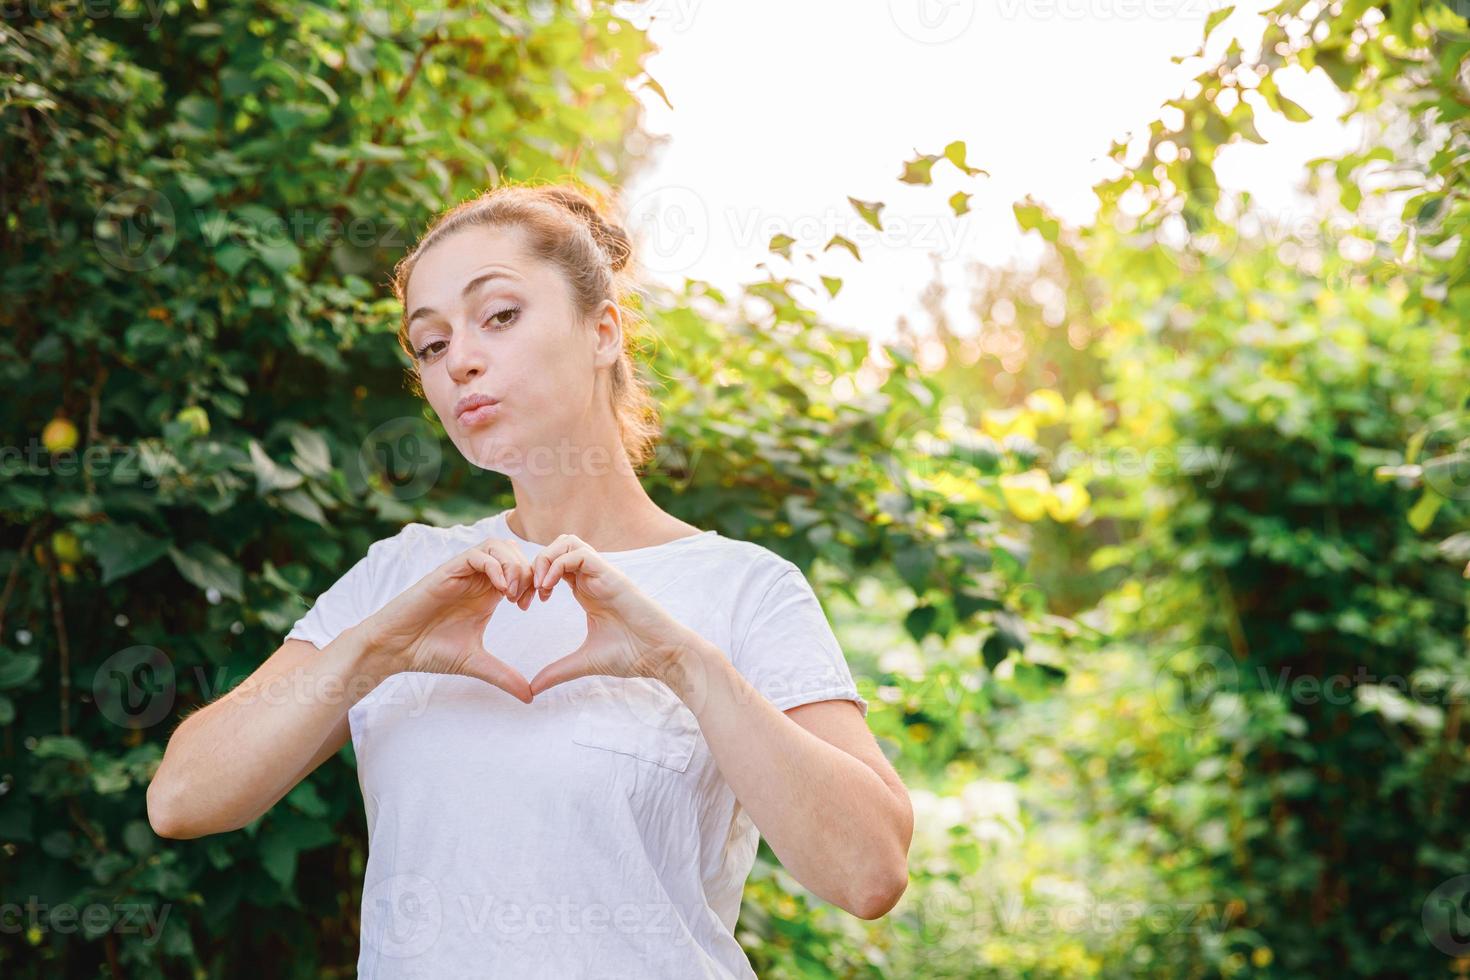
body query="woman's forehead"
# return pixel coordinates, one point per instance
(444, 268)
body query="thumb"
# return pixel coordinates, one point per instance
(492, 670)
(568, 668)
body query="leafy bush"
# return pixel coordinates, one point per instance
(199, 216)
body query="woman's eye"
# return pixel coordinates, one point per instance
(504, 318)
(497, 321)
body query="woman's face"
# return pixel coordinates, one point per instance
(486, 319)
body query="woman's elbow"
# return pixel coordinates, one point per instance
(163, 813)
(880, 898)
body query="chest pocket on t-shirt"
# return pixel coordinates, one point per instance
(637, 716)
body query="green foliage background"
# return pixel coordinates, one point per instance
(1103, 680)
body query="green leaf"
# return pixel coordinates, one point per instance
(1010, 636)
(955, 154)
(61, 747)
(1033, 217)
(207, 569)
(123, 549)
(869, 210)
(270, 475)
(920, 621)
(916, 171)
(280, 254)
(311, 454)
(1291, 110)
(231, 259)
(846, 243)
(1421, 515)
(278, 858)
(17, 668)
(303, 504)
(1216, 17)
(651, 82)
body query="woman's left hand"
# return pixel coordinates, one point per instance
(628, 634)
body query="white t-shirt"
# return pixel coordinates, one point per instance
(589, 833)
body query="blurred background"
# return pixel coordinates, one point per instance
(1103, 363)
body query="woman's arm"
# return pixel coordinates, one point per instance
(813, 779)
(819, 790)
(232, 760)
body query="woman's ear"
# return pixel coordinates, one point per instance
(609, 329)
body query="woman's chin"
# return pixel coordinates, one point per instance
(488, 452)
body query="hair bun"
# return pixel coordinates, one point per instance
(611, 237)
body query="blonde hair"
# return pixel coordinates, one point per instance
(565, 226)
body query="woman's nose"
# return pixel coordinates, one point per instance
(465, 358)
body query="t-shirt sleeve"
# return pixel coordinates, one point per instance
(786, 648)
(360, 592)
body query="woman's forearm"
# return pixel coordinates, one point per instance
(834, 823)
(230, 761)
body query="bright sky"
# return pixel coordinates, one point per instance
(782, 110)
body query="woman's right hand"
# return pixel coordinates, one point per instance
(437, 625)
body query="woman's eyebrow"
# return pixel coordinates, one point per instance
(470, 287)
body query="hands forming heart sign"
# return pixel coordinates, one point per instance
(438, 624)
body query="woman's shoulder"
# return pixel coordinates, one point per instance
(734, 565)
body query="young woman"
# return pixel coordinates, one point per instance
(686, 693)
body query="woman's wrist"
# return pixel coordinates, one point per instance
(688, 666)
(367, 658)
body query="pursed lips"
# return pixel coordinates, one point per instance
(476, 408)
